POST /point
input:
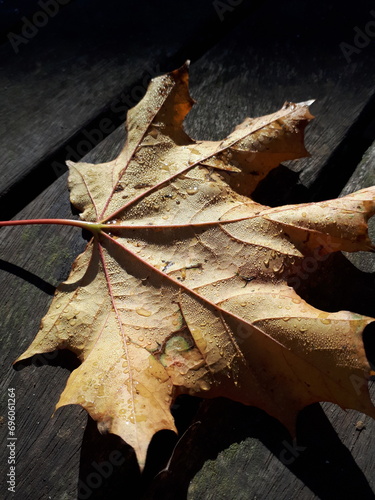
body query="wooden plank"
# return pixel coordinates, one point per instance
(335, 451)
(284, 59)
(363, 176)
(26, 291)
(66, 85)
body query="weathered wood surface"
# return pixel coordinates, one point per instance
(234, 452)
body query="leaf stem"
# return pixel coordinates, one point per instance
(91, 226)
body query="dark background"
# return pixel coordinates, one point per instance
(90, 62)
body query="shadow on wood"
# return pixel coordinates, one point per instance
(231, 443)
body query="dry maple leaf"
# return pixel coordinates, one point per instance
(183, 287)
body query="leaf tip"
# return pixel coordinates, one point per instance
(26, 355)
(307, 103)
(70, 163)
(304, 104)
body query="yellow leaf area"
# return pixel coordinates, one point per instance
(183, 287)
